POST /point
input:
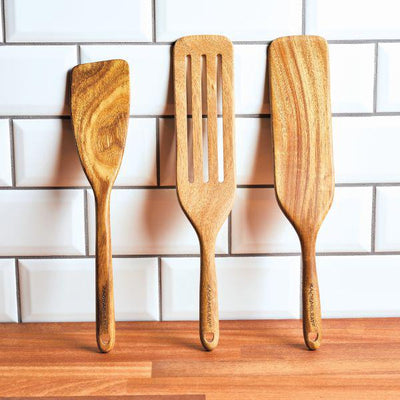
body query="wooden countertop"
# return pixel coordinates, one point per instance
(359, 359)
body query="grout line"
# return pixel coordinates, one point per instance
(165, 116)
(375, 94)
(170, 43)
(303, 17)
(172, 187)
(12, 154)
(159, 288)
(78, 54)
(153, 11)
(3, 20)
(158, 151)
(86, 216)
(196, 255)
(373, 220)
(18, 291)
(230, 233)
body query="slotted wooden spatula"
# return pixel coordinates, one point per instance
(302, 140)
(206, 204)
(100, 114)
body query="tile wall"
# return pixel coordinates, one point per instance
(46, 205)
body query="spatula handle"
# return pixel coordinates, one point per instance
(209, 323)
(105, 323)
(311, 305)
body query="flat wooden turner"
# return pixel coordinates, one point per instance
(206, 204)
(100, 114)
(302, 140)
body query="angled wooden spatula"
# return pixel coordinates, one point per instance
(100, 114)
(206, 204)
(302, 140)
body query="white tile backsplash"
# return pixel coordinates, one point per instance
(365, 149)
(248, 287)
(352, 68)
(150, 74)
(250, 20)
(45, 154)
(78, 21)
(47, 212)
(33, 79)
(359, 286)
(388, 86)
(353, 20)
(147, 221)
(64, 289)
(8, 291)
(5, 153)
(259, 226)
(387, 236)
(41, 222)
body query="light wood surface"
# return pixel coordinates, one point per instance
(256, 360)
(302, 141)
(206, 204)
(100, 114)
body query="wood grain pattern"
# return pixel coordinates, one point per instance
(100, 114)
(302, 141)
(206, 204)
(255, 360)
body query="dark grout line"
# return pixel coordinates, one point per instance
(86, 224)
(3, 20)
(154, 26)
(373, 220)
(18, 291)
(173, 187)
(303, 17)
(158, 152)
(12, 154)
(78, 54)
(165, 116)
(375, 95)
(196, 255)
(159, 288)
(230, 233)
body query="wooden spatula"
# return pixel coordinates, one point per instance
(100, 114)
(302, 140)
(206, 204)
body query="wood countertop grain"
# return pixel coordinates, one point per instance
(263, 359)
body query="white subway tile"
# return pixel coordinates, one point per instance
(8, 291)
(365, 149)
(76, 20)
(46, 154)
(5, 153)
(248, 287)
(352, 68)
(1, 24)
(150, 221)
(42, 222)
(150, 72)
(387, 235)
(34, 79)
(251, 83)
(359, 286)
(254, 160)
(259, 226)
(64, 289)
(250, 20)
(253, 151)
(356, 19)
(388, 80)
(167, 152)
